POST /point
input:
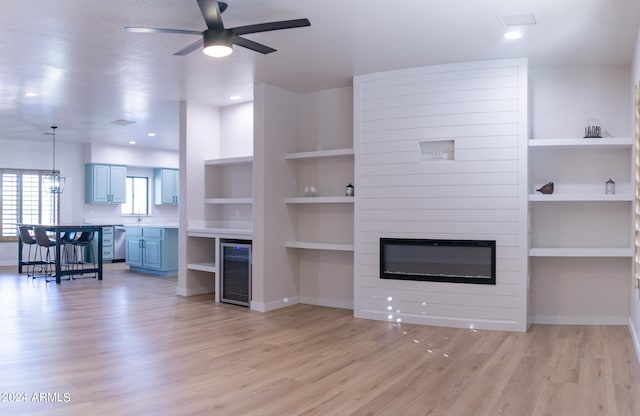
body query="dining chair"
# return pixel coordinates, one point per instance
(29, 241)
(83, 244)
(44, 243)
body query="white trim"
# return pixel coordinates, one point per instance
(203, 267)
(579, 197)
(579, 320)
(320, 200)
(634, 338)
(450, 322)
(319, 153)
(220, 201)
(592, 143)
(309, 245)
(229, 161)
(194, 291)
(580, 252)
(277, 304)
(330, 303)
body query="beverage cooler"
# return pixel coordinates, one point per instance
(235, 270)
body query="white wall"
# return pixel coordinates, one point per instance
(199, 141)
(275, 133)
(481, 195)
(635, 293)
(132, 156)
(325, 121)
(579, 290)
(236, 130)
(564, 99)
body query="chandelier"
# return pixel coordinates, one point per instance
(54, 182)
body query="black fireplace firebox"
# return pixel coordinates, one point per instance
(452, 261)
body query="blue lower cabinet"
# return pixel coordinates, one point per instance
(152, 250)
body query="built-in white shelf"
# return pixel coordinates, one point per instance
(218, 232)
(579, 197)
(223, 201)
(203, 267)
(320, 200)
(308, 245)
(320, 153)
(605, 142)
(229, 161)
(581, 252)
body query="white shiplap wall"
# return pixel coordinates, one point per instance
(481, 195)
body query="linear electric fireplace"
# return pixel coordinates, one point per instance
(453, 261)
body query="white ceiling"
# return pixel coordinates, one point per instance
(88, 72)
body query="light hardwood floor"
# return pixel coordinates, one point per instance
(129, 346)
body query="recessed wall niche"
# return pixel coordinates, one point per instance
(434, 150)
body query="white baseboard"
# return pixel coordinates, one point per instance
(180, 291)
(579, 320)
(634, 338)
(451, 322)
(8, 263)
(331, 303)
(277, 304)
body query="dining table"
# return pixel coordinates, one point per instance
(59, 230)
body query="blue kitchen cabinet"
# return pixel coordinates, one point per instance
(166, 186)
(152, 249)
(105, 184)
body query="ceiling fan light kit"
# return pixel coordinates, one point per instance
(217, 44)
(217, 40)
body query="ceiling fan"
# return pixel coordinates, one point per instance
(218, 40)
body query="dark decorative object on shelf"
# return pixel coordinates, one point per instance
(610, 187)
(349, 191)
(593, 130)
(546, 189)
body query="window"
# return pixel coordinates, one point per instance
(137, 196)
(25, 199)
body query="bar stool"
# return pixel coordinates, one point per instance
(44, 243)
(67, 253)
(27, 239)
(84, 240)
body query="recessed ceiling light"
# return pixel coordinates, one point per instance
(513, 35)
(235, 97)
(151, 134)
(132, 142)
(30, 94)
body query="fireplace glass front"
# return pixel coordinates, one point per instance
(453, 261)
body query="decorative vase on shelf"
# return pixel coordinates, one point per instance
(610, 187)
(593, 129)
(546, 189)
(349, 190)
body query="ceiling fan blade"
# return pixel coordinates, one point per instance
(158, 30)
(254, 46)
(265, 27)
(190, 48)
(212, 14)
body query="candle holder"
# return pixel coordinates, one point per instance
(610, 187)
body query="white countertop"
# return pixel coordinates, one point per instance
(152, 225)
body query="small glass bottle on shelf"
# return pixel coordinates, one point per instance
(610, 187)
(349, 190)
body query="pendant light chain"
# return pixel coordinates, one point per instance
(53, 171)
